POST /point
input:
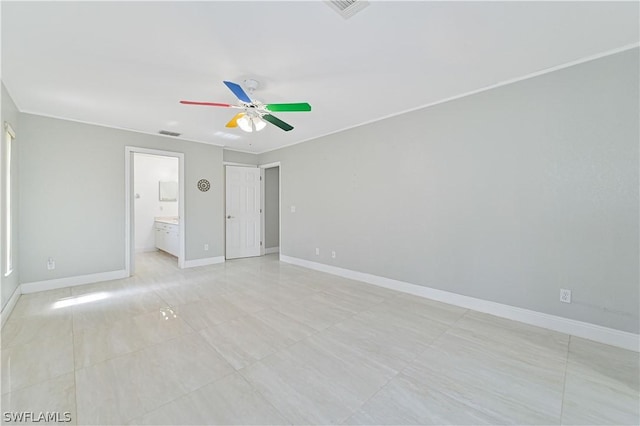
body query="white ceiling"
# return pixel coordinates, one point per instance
(126, 64)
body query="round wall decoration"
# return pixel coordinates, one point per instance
(204, 185)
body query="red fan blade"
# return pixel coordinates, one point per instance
(206, 104)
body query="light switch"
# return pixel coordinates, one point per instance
(293, 209)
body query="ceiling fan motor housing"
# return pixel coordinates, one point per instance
(251, 84)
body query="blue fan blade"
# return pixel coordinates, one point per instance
(237, 90)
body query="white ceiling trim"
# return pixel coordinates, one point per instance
(119, 128)
(438, 102)
(473, 92)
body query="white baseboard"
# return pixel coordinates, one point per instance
(585, 330)
(35, 286)
(8, 308)
(203, 262)
(272, 250)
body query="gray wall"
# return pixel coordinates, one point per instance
(240, 157)
(73, 204)
(10, 115)
(507, 195)
(271, 213)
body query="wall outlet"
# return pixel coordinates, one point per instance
(51, 264)
(293, 209)
(317, 251)
(333, 254)
(565, 295)
(206, 247)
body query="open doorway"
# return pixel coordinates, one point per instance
(155, 204)
(155, 188)
(271, 208)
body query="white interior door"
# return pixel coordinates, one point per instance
(242, 212)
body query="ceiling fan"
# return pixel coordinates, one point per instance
(254, 114)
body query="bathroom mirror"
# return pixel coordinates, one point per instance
(168, 191)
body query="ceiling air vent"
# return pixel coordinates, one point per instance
(347, 8)
(168, 133)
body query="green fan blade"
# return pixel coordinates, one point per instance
(289, 107)
(276, 121)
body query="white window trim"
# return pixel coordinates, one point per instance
(10, 136)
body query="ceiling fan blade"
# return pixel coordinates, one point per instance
(238, 91)
(289, 107)
(276, 121)
(234, 120)
(206, 103)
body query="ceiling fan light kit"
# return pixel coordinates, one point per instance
(254, 115)
(249, 124)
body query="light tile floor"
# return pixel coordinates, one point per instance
(256, 341)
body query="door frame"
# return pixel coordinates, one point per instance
(224, 216)
(263, 167)
(129, 222)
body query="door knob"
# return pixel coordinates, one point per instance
(229, 217)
